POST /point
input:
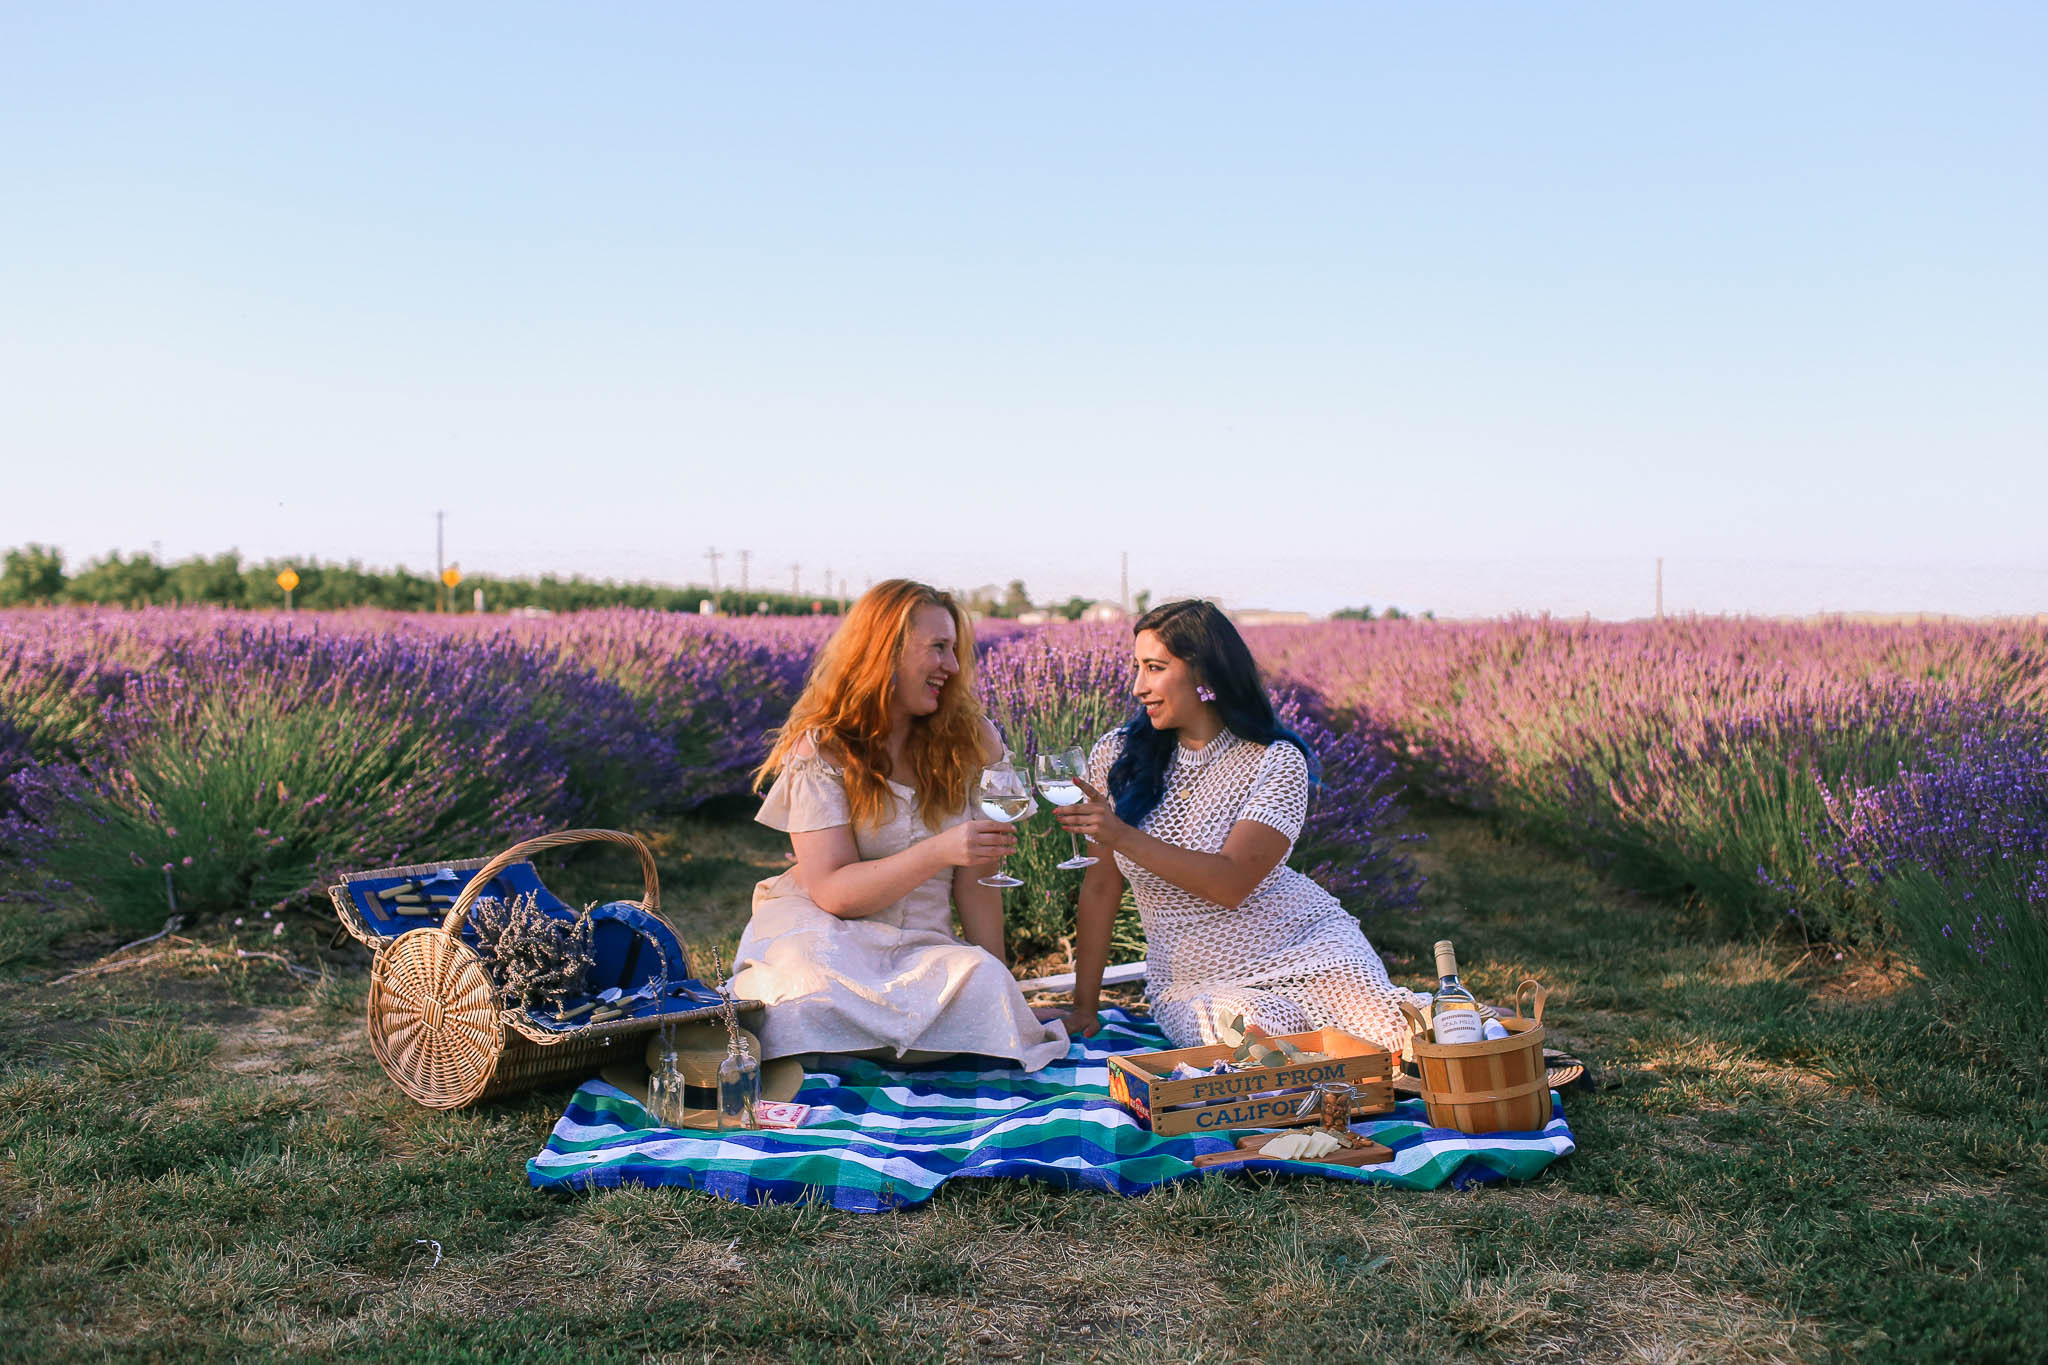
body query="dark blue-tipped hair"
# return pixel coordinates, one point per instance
(1200, 636)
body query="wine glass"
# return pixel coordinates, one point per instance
(1006, 796)
(1057, 770)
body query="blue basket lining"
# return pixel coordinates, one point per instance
(619, 935)
(381, 917)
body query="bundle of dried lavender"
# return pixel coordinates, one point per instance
(533, 956)
(727, 1009)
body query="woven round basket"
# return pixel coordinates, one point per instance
(438, 1026)
(1500, 1085)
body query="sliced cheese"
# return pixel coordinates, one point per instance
(1303, 1144)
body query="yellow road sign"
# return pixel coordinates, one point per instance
(451, 575)
(288, 580)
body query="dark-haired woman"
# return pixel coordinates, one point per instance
(1201, 800)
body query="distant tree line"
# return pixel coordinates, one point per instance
(1366, 614)
(34, 575)
(1015, 599)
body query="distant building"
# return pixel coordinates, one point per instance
(1102, 611)
(1034, 617)
(1260, 616)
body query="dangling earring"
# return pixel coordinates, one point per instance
(1205, 692)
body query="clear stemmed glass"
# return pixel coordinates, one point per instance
(1005, 795)
(1056, 773)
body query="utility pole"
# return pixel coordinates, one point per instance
(745, 555)
(440, 564)
(1123, 582)
(712, 556)
(794, 590)
(1660, 587)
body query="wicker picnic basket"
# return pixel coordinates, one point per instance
(1500, 1085)
(437, 1022)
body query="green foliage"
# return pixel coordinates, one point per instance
(1072, 609)
(31, 575)
(1352, 614)
(34, 575)
(1983, 948)
(230, 806)
(136, 581)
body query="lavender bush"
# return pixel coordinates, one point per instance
(32, 797)
(1760, 764)
(712, 689)
(1347, 843)
(1956, 858)
(1689, 752)
(251, 764)
(1063, 687)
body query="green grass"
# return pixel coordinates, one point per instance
(1792, 1160)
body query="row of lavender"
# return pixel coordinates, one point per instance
(234, 760)
(1885, 784)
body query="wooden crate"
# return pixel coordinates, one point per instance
(1263, 1097)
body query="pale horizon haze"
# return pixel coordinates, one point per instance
(1478, 309)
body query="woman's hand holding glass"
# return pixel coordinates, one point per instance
(1094, 819)
(1005, 795)
(976, 843)
(1059, 772)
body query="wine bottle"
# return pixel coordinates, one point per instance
(1457, 1009)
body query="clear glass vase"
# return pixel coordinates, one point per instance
(739, 1089)
(665, 1085)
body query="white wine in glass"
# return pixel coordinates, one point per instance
(1056, 773)
(1004, 796)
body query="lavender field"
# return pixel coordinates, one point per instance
(1881, 788)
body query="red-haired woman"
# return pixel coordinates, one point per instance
(853, 950)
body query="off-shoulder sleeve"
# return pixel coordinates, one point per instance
(1279, 794)
(1102, 758)
(808, 794)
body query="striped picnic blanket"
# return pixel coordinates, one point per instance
(880, 1137)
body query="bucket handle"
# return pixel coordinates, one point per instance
(1418, 1023)
(1537, 992)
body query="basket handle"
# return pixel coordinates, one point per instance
(650, 893)
(1537, 992)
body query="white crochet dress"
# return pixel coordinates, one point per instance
(896, 982)
(1290, 958)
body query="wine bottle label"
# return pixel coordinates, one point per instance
(1458, 1026)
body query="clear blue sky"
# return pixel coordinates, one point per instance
(1478, 307)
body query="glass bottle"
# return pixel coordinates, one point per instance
(665, 1084)
(1457, 1009)
(739, 1087)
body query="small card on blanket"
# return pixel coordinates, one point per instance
(780, 1114)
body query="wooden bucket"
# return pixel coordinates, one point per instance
(1497, 1086)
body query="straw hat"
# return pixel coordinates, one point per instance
(700, 1046)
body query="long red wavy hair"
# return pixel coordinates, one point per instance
(844, 709)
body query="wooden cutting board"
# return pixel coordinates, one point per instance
(1366, 1153)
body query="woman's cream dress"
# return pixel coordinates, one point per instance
(897, 981)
